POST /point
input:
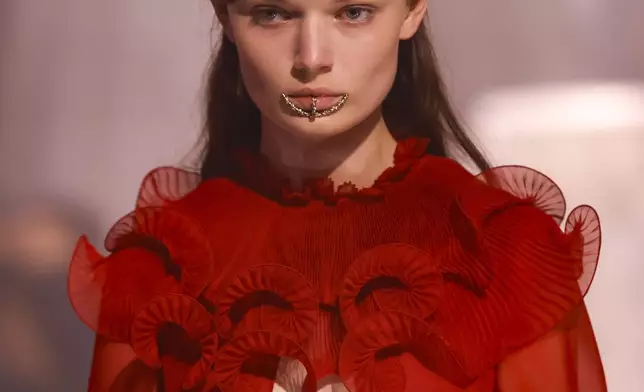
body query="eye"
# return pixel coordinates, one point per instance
(356, 14)
(268, 15)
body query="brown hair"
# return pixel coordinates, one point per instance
(417, 106)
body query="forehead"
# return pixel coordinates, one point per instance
(303, 3)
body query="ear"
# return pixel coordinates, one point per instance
(415, 16)
(221, 10)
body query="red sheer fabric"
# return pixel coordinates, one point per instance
(431, 279)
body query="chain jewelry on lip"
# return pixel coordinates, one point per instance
(313, 113)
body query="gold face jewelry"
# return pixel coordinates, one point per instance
(314, 113)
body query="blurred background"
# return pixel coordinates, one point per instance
(93, 94)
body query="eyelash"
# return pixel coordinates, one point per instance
(260, 15)
(367, 10)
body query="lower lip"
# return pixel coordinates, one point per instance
(322, 103)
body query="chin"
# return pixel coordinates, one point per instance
(323, 127)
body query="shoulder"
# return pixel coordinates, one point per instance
(496, 192)
(515, 206)
(522, 265)
(161, 247)
(168, 186)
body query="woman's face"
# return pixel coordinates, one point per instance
(321, 48)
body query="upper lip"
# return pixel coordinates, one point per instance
(314, 92)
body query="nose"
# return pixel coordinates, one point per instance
(313, 50)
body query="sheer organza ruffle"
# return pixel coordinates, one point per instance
(504, 275)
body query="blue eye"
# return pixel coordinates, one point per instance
(265, 15)
(273, 15)
(357, 14)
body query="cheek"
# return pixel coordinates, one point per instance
(373, 67)
(253, 64)
(260, 65)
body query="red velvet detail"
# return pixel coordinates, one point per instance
(164, 185)
(85, 293)
(272, 297)
(174, 374)
(107, 292)
(410, 149)
(369, 357)
(179, 327)
(248, 363)
(584, 230)
(397, 277)
(431, 277)
(323, 344)
(534, 286)
(174, 236)
(465, 259)
(258, 174)
(407, 153)
(478, 201)
(529, 185)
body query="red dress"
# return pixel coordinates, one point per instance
(425, 281)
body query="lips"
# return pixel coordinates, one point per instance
(322, 102)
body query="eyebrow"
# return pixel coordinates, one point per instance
(282, 2)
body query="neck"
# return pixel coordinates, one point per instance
(358, 156)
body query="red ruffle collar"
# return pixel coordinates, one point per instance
(256, 173)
